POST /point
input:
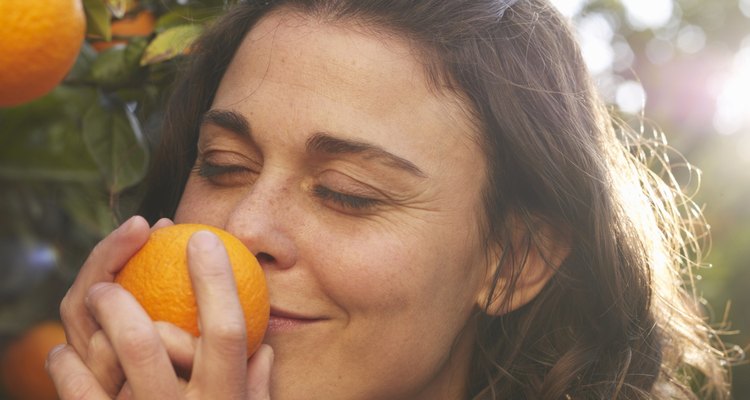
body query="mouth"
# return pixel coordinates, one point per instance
(285, 321)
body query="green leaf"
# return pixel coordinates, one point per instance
(41, 140)
(171, 43)
(88, 208)
(97, 19)
(82, 67)
(134, 51)
(118, 66)
(113, 138)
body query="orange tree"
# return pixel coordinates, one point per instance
(71, 161)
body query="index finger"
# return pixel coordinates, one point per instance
(220, 367)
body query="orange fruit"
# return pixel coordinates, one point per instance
(22, 364)
(140, 24)
(39, 43)
(157, 275)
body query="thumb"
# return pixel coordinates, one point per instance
(259, 373)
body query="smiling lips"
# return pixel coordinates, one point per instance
(283, 321)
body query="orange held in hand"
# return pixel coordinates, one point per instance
(158, 278)
(39, 43)
(22, 370)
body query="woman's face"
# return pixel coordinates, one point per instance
(357, 185)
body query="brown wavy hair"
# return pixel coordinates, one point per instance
(617, 320)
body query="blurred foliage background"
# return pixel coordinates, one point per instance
(71, 162)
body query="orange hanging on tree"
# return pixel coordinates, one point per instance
(22, 372)
(136, 25)
(39, 43)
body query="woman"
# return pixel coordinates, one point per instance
(440, 203)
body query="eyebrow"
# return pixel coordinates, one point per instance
(228, 120)
(319, 142)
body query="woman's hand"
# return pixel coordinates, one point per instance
(107, 258)
(119, 343)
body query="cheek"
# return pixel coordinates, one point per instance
(364, 275)
(409, 275)
(193, 207)
(189, 208)
(406, 299)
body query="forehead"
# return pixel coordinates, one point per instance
(306, 74)
(324, 55)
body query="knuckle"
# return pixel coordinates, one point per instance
(76, 386)
(67, 311)
(99, 345)
(169, 330)
(102, 296)
(230, 336)
(138, 344)
(97, 252)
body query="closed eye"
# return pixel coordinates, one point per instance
(208, 170)
(346, 201)
(225, 175)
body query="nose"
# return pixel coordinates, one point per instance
(263, 220)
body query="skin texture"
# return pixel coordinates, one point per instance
(386, 281)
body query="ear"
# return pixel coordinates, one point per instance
(538, 250)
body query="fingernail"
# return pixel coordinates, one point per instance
(93, 290)
(204, 241)
(56, 349)
(52, 353)
(126, 392)
(127, 225)
(162, 222)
